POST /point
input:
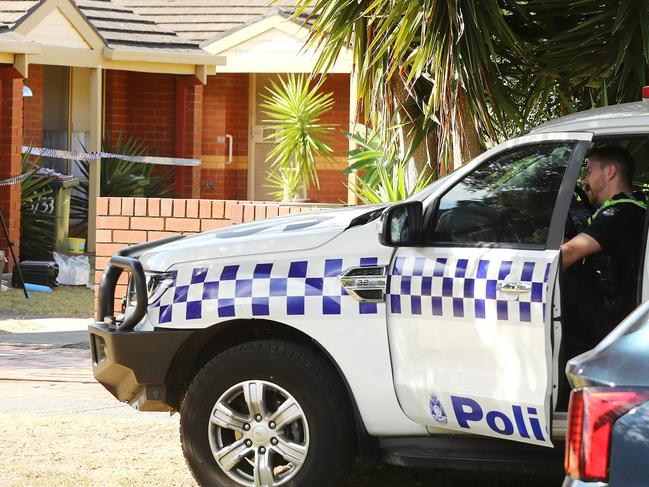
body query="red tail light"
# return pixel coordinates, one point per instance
(592, 413)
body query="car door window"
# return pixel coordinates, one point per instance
(508, 200)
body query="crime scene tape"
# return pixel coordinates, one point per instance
(15, 180)
(41, 171)
(88, 156)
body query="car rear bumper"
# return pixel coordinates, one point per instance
(133, 365)
(570, 482)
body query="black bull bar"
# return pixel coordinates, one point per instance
(126, 259)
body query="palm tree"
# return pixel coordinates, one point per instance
(429, 68)
(584, 53)
(459, 74)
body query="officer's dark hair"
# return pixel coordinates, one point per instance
(614, 155)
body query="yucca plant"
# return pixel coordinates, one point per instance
(382, 175)
(392, 185)
(286, 184)
(294, 109)
(369, 154)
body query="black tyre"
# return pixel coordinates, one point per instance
(267, 413)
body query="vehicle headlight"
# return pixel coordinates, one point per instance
(157, 283)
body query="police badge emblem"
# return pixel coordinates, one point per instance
(437, 410)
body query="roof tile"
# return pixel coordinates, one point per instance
(159, 24)
(200, 20)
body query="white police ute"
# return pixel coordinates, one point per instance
(423, 333)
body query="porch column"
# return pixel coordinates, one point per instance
(189, 135)
(11, 138)
(94, 182)
(353, 104)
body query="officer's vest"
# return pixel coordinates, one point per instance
(611, 202)
(602, 265)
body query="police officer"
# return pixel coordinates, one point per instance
(609, 247)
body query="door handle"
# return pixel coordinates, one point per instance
(514, 287)
(230, 140)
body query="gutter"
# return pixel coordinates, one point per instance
(170, 57)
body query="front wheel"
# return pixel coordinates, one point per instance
(265, 414)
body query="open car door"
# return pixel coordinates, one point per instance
(469, 312)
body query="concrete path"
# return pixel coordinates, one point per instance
(46, 332)
(46, 370)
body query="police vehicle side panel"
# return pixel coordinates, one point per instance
(302, 291)
(466, 355)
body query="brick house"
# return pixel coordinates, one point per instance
(186, 81)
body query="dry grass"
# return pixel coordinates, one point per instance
(65, 301)
(73, 451)
(84, 451)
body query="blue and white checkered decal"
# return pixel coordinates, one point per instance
(466, 289)
(293, 288)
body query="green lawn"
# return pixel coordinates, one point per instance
(65, 301)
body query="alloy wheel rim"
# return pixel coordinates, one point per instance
(258, 434)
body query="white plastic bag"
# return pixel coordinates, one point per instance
(73, 270)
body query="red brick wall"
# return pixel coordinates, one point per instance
(333, 187)
(332, 182)
(225, 111)
(116, 103)
(142, 105)
(189, 132)
(338, 86)
(150, 111)
(126, 221)
(33, 110)
(11, 137)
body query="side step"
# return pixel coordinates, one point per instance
(485, 454)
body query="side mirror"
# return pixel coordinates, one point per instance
(402, 225)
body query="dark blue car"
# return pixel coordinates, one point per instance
(607, 441)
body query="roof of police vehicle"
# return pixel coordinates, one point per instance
(624, 118)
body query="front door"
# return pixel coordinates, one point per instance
(469, 313)
(260, 188)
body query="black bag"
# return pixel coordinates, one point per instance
(36, 272)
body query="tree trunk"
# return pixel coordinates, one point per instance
(466, 140)
(424, 156)
(564, 89)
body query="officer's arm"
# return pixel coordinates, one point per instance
(577, 248)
